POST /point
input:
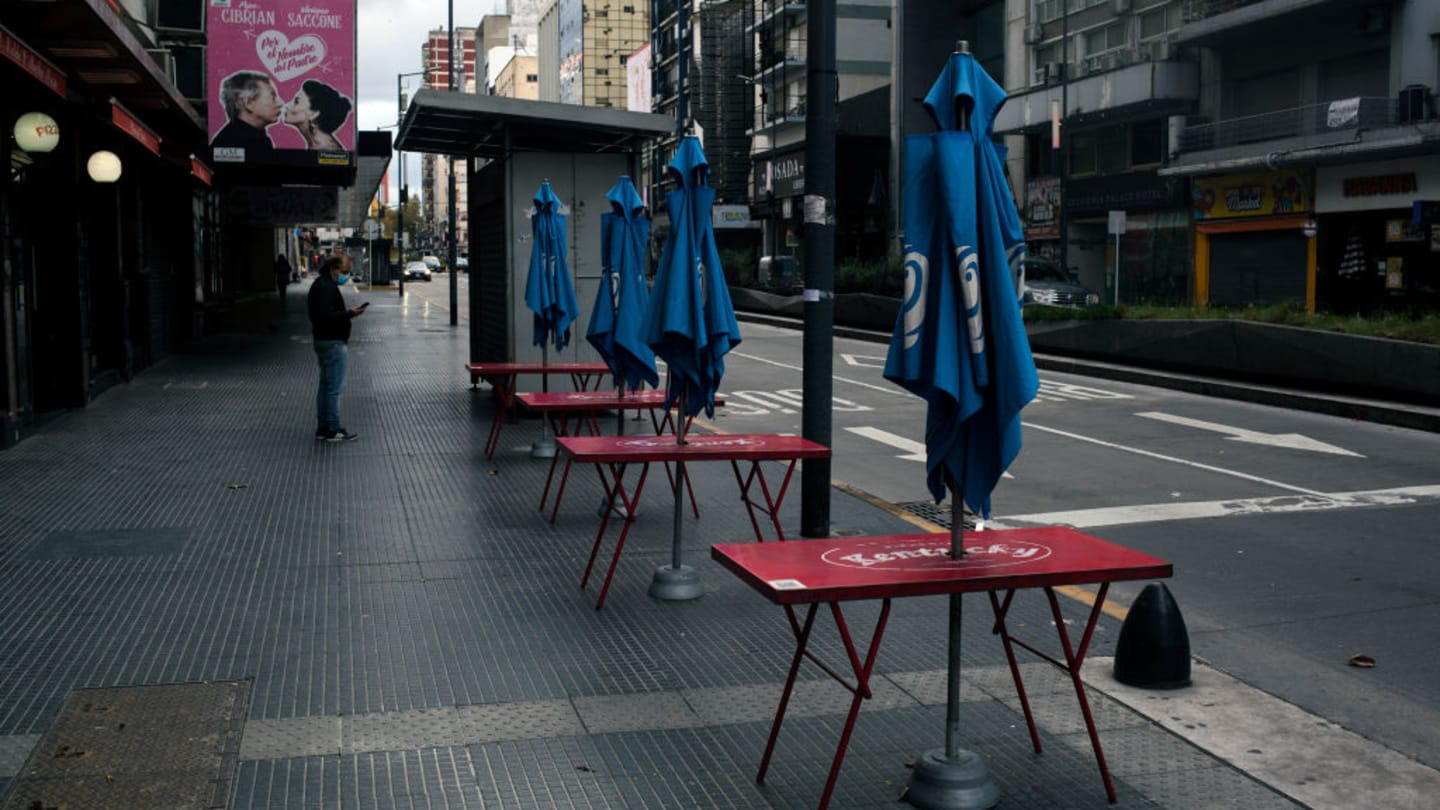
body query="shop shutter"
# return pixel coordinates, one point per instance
(1262, 268)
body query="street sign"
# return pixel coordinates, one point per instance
(371, 229)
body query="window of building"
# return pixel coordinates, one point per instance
(1107, 38)
(1147, 142)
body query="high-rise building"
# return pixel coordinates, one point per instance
(435, 58)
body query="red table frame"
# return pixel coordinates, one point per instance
(618, 453)
(558, 406)
(847, 569)
(502, 377)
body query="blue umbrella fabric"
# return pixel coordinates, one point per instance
(549, 292)
(617, 322)
(692, 320)
(959, 341)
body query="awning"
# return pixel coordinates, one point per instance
(104, 60)
(470, 125)
(372, 160)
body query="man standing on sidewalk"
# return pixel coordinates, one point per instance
(282, 278)
(330, 326)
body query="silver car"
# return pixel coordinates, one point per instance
(1047, 285)
(417, 271)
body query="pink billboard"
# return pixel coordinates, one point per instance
(282, 81)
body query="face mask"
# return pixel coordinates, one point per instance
(344, 277)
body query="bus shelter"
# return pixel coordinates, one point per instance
(511, 146)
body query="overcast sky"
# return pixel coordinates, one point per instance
(388, 43)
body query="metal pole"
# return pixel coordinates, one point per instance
(819, 229)
(682, 26)
(1064, 130)
(450, 162)
(400, 215)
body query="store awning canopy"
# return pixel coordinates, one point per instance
(102, 57)
(469, 125)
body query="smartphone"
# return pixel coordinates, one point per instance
(364, 304)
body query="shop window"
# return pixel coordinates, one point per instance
(1084, 159)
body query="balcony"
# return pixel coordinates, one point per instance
(1143, 88)
(1341, 118)
(1247, 23)
(773, 13)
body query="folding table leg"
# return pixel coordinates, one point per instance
(630, 505)
(772, 505)
(999, 629)
(504, 385)
(860, 691)
(1076, 659)
(561, 427)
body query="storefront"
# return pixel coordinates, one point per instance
(1378, 249)
(1254, 239)
(1154, 249)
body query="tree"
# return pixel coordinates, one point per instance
(413, 223)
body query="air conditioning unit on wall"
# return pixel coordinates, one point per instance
(1034, 33)
(165, 60)
(1120, 6)
(1052, 72)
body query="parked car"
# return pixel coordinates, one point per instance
(417, 271)
(1046, 284)
(462, 264)
(433, 262)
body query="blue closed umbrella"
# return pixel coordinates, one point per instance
(549, 292)
(691, 326)
(692, 321)
(959, 341)
(617, 322)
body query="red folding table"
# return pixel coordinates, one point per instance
(997, 562)
(559, 406)
(620, 453)
(502, 377)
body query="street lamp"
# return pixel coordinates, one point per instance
(450, 166)
(404, 190)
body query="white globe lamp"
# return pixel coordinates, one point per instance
(104, 167)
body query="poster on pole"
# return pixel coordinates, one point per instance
(281, 78)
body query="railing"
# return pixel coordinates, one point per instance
(1312, 119)
(1195, 10)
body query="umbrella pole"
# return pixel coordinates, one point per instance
(676, 582)
(952, 778)
(545, 448)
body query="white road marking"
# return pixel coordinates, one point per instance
(863, 360)
(1196, 510)
(1162, 457)
(915, 451)
(1292, 441)
(893, 389)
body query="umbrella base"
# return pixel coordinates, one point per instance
(543, 449)
(616, 508)
(676, 584)
(962, 783)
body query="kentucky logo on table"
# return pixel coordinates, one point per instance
(282, 81)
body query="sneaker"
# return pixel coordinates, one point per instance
(321, 434)
(342, 435)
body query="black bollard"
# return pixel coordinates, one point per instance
(1154, 647)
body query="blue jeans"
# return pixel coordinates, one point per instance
(333, 356)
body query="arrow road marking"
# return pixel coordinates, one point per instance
(1293, 441)
(863, 360)
(914, 451)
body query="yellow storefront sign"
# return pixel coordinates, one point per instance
(1255, 194)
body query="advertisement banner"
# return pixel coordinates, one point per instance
(1042, 208)
(282, 81)
(1256, 194)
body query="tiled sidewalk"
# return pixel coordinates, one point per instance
(413, 630)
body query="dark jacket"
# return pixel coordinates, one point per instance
(238, 133)
(329, 317)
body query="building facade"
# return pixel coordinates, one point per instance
(434, 172)
(1259, 152)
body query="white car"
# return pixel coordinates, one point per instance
(417, 271)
